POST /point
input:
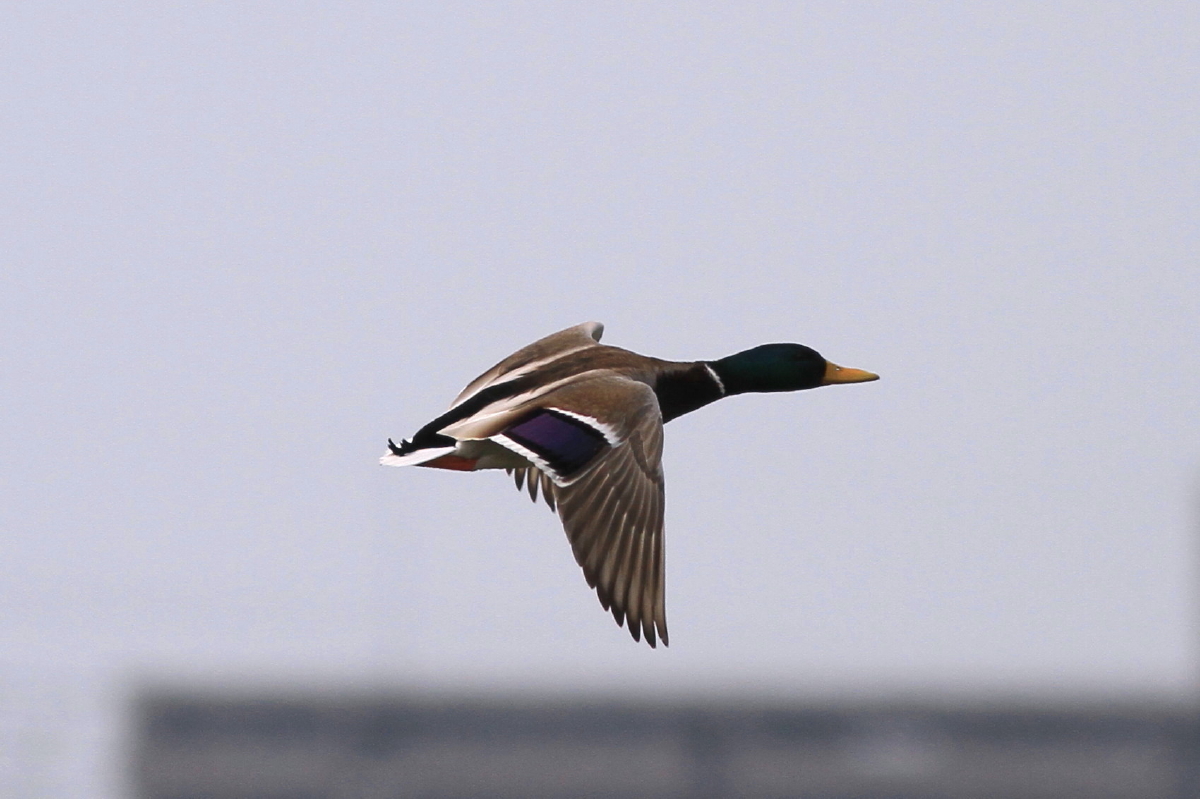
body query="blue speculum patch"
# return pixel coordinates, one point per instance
(566, 444)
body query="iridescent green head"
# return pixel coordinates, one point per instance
(782, 367)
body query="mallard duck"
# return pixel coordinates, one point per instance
(583, 422)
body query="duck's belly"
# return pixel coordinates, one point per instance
(470, 456)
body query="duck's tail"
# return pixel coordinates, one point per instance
(408, 455)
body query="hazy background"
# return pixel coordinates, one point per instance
(243, 244)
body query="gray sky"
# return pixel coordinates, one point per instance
(245, 243)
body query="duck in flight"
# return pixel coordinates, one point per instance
(583, 422)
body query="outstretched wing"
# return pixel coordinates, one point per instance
(539, 353)
(597, 449)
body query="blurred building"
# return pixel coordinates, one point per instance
(388, 747)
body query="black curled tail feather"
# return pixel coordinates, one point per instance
(420, 442)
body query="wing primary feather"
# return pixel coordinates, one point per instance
(602, 529)
(645, 586)
(581, 511)
(633, 589)
(636, 608)
(602, 580)
(650, 578)
(600, 532)
(612, 531)
(585, 516)
(621, 571)
(627, 571)
(660, 572)
(606, 576)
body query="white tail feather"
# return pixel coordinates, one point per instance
(415, 457)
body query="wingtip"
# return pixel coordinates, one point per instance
(655, 632)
